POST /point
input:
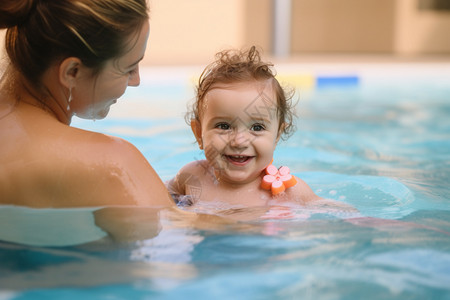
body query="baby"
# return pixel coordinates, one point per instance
(239, 115)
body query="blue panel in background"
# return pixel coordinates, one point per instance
(337, 81)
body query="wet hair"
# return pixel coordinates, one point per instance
(43, 32)
(233, 66)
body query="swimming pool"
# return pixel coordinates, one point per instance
(376, 136)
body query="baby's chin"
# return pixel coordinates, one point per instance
(236, 179)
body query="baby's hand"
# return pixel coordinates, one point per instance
(184, 200)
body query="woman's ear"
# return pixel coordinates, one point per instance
(69, 71)
(197, 130)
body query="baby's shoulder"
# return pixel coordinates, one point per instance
(190, 173)
(191, 181)
(198, 168)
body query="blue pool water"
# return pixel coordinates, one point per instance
(376, 137)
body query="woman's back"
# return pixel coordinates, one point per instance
(45, 163)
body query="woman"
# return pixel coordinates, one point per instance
(71, 58)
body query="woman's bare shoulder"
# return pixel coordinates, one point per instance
(116, 172)
(82, 168)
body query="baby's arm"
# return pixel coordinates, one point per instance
(183, 186)
(174, 188)
(303, 193)
(177, 188)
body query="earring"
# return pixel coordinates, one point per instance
(70, 99)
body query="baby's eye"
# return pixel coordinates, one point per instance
(258, 127)
(223, 126)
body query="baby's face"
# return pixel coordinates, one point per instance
(239, 130)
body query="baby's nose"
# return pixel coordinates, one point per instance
(239, 138)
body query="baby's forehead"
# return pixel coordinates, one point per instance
(259, 85)
(255, 90)
(255, 99)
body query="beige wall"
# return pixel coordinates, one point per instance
(421, 31)
(185, 32)
(258, 23)
(342, 26)
(375, 26)
(192, 31)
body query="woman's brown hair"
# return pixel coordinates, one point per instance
(41, 32)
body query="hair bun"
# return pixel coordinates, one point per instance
(14, 12)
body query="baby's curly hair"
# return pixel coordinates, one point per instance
(233, 66)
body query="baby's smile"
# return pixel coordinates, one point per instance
(238, 160)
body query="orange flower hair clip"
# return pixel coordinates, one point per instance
(277, 180)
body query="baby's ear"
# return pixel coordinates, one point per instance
(197, 130)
